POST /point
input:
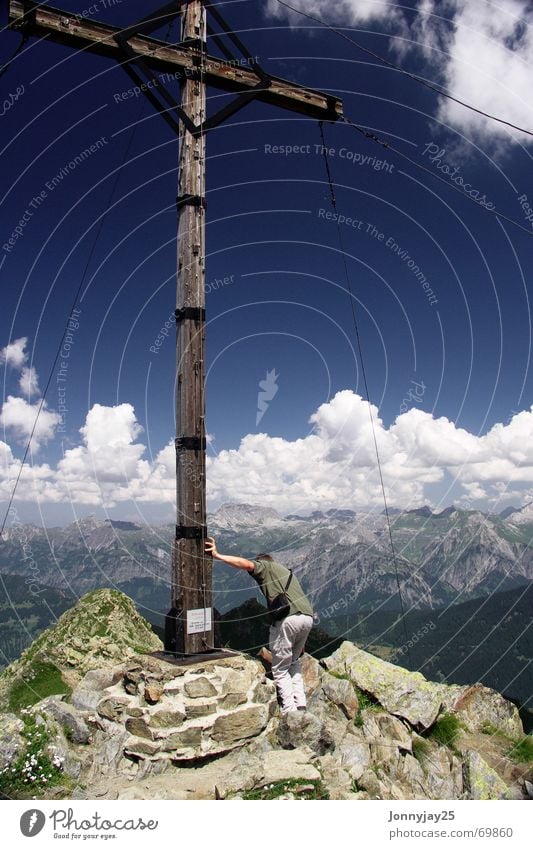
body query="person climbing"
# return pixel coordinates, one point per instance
(291, 616)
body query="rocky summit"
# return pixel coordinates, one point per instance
(94, 709)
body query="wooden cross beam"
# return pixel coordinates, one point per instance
(189, 623)
(85, 34)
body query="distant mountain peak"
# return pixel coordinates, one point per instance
(448, 511)
(424, 511)
(121, 525)
(232, 516)
(522, 515)
(504, 514)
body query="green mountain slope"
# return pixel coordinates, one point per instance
(488, 639)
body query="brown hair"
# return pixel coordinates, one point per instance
(264, 557)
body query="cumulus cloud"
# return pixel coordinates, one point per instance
(18, 417)
(14, 354)
(334, 465)
(344, 11)
(107, 466)
(29, 382)
(480, 53)
(486, 60)
(36, 481)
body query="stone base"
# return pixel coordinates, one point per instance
(188, 659)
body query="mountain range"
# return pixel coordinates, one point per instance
(344, 560)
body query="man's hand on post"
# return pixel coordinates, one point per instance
(210, 547)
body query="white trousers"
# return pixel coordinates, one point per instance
(287, 641)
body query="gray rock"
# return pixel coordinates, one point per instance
(477, 706)
(201, 709)
(337, 779)
(403, 693)
(66, 716)
(139, 728)
(298, 728)
(485, 783)
(108, 750)
(174, 686)
(369, 781)
(153, 692)
(12, 743)
(312, 675)
(233, 700)
(88, 692)
(240, 724)
(341, 692)
(378, 724)
(199, 688)
(166, 718)
(264, 692)
(112, 707)
(58, 749)
(443, 774)
(354, 755)
(132, 678)
(140, 747)
(285, 764)
(411, 776)
(240, 680)
(190, 738)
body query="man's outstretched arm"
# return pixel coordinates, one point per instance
(237, 562)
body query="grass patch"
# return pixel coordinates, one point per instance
(521, 751)
(492, 730)
(358, 720)
(420, 749)
(367, 702)
(32, 772)
(342, 676)
(445, 731)
(302, 788)
(45, 681)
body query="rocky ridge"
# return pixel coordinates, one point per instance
(132, 725)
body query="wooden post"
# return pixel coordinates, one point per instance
(192, 569)
(188, 624)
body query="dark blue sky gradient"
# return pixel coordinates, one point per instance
(285, 306)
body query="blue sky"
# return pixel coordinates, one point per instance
(448, 373)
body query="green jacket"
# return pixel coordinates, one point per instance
(272, 578)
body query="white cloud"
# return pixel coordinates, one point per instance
(7, 461)
(14, 354)
(343, 11)
(334, 465)
(29, 382)
(18, 416)
(487, 62)
(107, 467)
(479, 51)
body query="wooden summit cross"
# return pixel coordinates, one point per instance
(189, 623)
